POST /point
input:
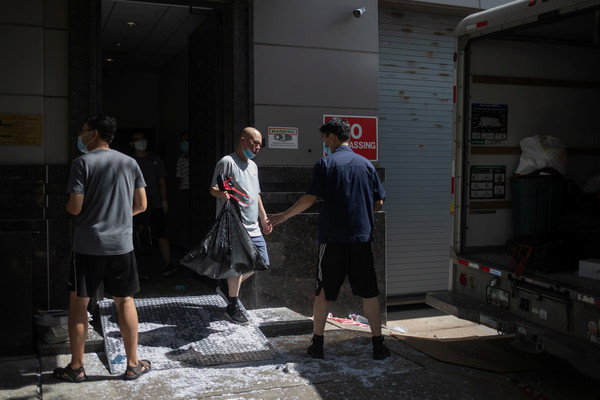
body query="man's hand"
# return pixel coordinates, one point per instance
(165, 206)
(219, 194)
(267, 227)
(277, 219)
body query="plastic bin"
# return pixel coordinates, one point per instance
(537, 201)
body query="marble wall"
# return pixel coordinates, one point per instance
(32, 201)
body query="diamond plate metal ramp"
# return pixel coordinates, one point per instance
(189, 331)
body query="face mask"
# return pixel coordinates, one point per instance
(249, 155)
(184, 146)
(82, 147)
(326, 149)
(140, 145)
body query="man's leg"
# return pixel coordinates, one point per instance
(165, 250)
(373, 314)
(320, 312)
(234, 284)
(128, 325)
(78, 328)
(234, 312)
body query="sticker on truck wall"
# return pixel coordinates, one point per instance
(489, 123)
(487, 182)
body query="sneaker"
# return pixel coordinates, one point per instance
(234, 313)
(170, 269)
(315, 350)
(380, 351)
(223, 291)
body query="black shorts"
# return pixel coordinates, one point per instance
(354, 260)
(155, 219)
(118, 272)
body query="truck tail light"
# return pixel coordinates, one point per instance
(463, 279)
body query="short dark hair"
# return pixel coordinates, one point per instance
(339, 127)
(105, 125)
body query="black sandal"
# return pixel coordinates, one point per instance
(70, 375)
(140, 369)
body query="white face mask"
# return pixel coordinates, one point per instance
(141, 145)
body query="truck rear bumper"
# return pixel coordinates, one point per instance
(471, 310)
(528, 336)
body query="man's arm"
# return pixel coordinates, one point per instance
(302, 204)
(377, 204)
(219, 194)
(75, 203)
(140, 202)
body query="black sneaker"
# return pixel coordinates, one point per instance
(223, 291)
(234, 313)
(315, 350)
(380, 351)
(170, 269)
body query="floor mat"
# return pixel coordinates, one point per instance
(492, 354)
(187, 331)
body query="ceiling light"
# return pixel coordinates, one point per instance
(130, 24)
(109, 60)
(117, 44)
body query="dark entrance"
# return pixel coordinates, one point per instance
(213, 104)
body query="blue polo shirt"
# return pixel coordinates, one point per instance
(347, 185)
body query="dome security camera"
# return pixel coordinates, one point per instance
(358, 12)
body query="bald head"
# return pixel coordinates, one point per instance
(250, 143)
(250, 132)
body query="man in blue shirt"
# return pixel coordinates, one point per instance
(350, 192)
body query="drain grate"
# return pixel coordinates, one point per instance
(177, 332)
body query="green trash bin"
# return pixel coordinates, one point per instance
(537, 201)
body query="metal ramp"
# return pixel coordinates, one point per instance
(186, 331)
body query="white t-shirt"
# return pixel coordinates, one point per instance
(245, 179)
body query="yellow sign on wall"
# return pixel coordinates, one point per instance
(20, 129)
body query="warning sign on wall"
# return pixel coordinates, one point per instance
(283, 138)
(363, 134)
(20, 129)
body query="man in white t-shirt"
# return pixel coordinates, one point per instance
(244, 173)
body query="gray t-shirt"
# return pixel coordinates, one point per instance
(153, 169)
(107, 179)
(245, 179)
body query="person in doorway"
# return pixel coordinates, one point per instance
(106, 188)
(182, 174)
(350, 191)
(155, 175)
(244, 173)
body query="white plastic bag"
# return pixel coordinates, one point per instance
(541, 152)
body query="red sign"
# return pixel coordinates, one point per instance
(363, 134)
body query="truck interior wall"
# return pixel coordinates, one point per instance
(566, 112)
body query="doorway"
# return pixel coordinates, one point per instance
(168, 67)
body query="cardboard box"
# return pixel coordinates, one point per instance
(589, 268)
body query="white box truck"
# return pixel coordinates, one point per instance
(527, 69)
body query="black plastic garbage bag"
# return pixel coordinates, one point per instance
(227, 250)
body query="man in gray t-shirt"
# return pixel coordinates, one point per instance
(244, 175)
(106, 188)
(106, 179)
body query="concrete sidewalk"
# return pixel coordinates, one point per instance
(347, 372)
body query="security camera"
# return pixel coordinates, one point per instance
(358, 12)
